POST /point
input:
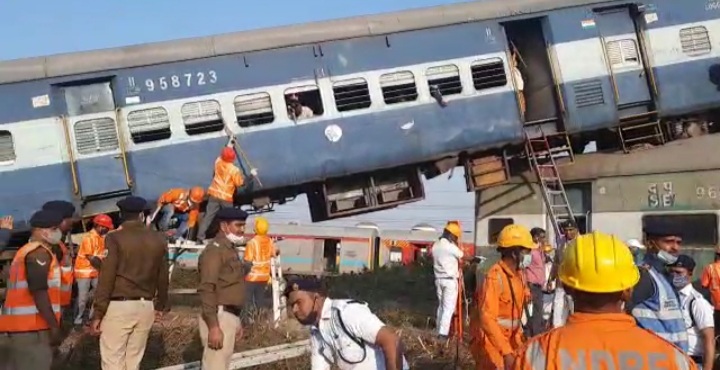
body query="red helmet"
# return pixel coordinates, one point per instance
(104, 221)
(228, 154)
(197, 194)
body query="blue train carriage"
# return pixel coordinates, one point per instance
(391, 99)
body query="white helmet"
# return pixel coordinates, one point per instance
(634, 243)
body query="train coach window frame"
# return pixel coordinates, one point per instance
(695, 40)
(622, 53)
(495, 225)
(488, 73)
(7, 148)
(700, 229)
(156, 118)
(398, 87)
(446, 78)
(254, 109)
(351, 94)
(309, 96)
(89, 98)
(97, 135)
(202, 117)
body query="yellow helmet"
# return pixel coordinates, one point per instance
(453, 227)
(515, 236)
(261, 226)
(598, 263)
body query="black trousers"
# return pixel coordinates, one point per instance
(257, 295)
(536, 323)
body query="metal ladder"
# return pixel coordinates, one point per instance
(246, 167)
(541, 157)
(640, 129)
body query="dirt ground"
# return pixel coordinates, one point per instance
(403, 297)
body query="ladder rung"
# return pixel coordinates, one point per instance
(634, 139)
(637, 126)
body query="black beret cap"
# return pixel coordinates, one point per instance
(132, 204)
(45, 219)
(306, 285)
(684, 261)
(231, 214)
(655, 227)
(64, 208)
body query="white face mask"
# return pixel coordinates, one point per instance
(53, 237)
(525, 261)
(235, 239)
(666, 257)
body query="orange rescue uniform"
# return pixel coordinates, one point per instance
(19, 313)
(67, 276)
(710, 280)
(495, 324)
(178, 197)
(600, 341)
(226, 180)
(258, 251)
(92, 245)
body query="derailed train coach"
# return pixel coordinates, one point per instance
(394, 97)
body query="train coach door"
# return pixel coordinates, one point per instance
(623, 53)
(97, 150)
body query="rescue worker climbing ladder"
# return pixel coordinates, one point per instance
(227, 178)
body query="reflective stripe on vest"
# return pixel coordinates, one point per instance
(661, 313)
(19, 313)
(537, 359)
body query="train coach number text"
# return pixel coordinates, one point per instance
(183, 80)
(710, 192)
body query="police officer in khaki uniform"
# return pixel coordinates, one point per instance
(222, 276)
(134, 273)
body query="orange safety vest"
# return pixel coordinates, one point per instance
(19, 313)
(710, 279)
(92, 245)
(226, 180)
(178, 197)
(259, 251)
(66, 275)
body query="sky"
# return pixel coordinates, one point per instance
(45, 27)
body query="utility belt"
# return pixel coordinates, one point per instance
(124, 299)
(235, 310)
(509, 324)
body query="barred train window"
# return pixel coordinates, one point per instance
(147, 125)
(495, 225)
(700, 229)
(202, 117)
(254, 109)
(695, 40)
(488, 73)
(622, 53)
(95, 135)
(446, 78)
(7, 147)
(398, 87)
(351, 94)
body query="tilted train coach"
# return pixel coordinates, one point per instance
(393, 97)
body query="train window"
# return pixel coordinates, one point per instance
(95, 135)
(88, 99)
(700, 229)
(351, 94)
(202, 117)
(398, 87)
(622, 53)
(446, 78)
(695, 40)
(495, 225)
(303, 102)
(488, 73)
(149, 125)
(254, 109)
(7, 147)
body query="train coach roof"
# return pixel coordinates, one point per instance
(202, 47)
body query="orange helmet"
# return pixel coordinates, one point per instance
(197, 194)
(228, 154)
(104, 221)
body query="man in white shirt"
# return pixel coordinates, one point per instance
(343, 332)
(697, 312)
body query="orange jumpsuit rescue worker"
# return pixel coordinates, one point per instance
(496, 326)
(710, 280)
(227, 178)
(598, 272)
(87, 263)
(184, 206)
(31, 312)
(222, 290)
(63, 249)
(134, 273)
(259, 251)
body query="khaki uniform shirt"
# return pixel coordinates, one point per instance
(222, 276)
(135, 267)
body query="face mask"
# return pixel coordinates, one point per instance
(53, 237)
(235, 239)
(666, 257)
(103, 231)
(525, 261)
(680, 281)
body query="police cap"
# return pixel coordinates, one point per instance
(231, 214)
(306, 285)
(132, 204)
(684, 261)
(656, 227)
(46, 219)
(64, 208)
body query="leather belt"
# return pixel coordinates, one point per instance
(235, 310)
(122, 299)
